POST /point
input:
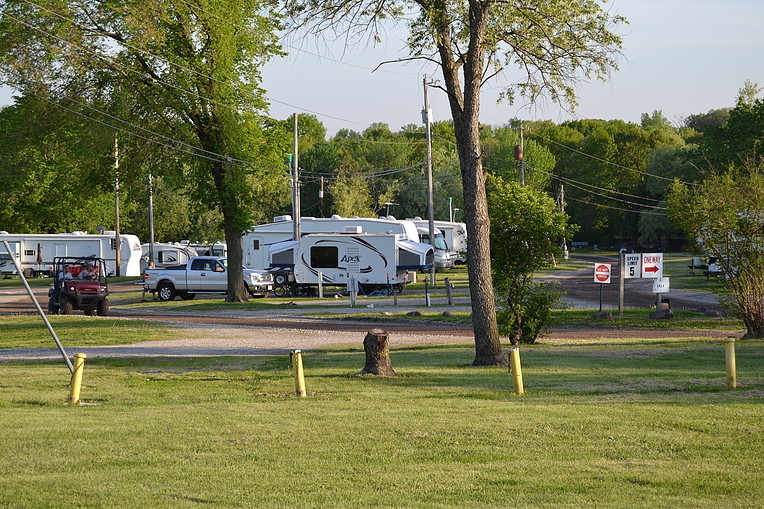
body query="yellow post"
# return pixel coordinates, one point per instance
(79, 366)
(729, 347)
(299, 376)
(516, 370)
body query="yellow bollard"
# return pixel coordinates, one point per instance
(516, 370)
(79, 366)
(729, 347)
(299, 376)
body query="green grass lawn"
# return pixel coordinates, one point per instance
(622, 423)
(28, 331)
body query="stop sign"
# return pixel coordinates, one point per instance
(601, 272)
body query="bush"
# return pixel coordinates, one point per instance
(522, 316)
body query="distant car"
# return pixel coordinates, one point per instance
(632, 247)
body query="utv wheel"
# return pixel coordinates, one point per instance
(52, 309)
(90, 312)
(67, 306)
(166, 292)
(103, 308)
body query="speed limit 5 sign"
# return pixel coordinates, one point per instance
(633, 265)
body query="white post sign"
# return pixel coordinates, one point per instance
(661, 285)
(652, 265)
(601, 272)
(633, 263)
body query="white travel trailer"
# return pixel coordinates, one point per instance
(454, 233)
(379, 262)
(256, 241)
(35, 252)
(166, 255)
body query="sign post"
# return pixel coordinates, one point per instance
(601, 276)
(631, 267)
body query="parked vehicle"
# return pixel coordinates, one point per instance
(379, 263)
(442, 254)
(79, 284)
(258, 239)
(201, 275)
(454, 233)
(166, 255)
(35, 253)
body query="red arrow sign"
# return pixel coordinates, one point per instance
(651, 269)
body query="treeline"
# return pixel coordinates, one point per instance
(57, 170)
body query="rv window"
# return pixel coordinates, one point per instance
(256, 245)
(113, 244)
(167, 257)
(324, 257)
(29, 252)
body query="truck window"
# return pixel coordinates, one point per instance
(200, 264)
(324, 257)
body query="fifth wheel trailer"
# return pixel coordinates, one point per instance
(376, 261)
(454, 233)
(259, 238)
(35, 252)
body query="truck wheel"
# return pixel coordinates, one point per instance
(103, 308)
(166, 292)
(280, 279)
(67, 306)
(186, 295)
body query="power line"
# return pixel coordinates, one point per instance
(661, 177)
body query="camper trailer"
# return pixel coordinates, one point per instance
(257, 241)
(379, 262)
(454, 233)
(166, 255)
(35, 252)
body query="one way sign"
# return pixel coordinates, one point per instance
(652, 265)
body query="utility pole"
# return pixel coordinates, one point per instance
(565, 253)
(321, 197)
(426, 116)
(151, 218)
(520, 156)
(295, 186)
(117, 259)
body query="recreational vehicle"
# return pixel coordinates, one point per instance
(454, 233)
(35, 252)
(378, 262)
(258, 239)
(166, 255)
(442, 254)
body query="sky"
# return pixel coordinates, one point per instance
(681, 57)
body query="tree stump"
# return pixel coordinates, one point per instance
(377, 354)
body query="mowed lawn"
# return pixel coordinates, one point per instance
(603, 423)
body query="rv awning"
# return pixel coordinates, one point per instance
(414, 255)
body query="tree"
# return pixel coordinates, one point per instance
(526, 228)
(553, 44)
(187, 71)
(728, 224)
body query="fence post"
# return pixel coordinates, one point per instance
(516, 370)
(79, 366)
(729, 347)
(299, 375)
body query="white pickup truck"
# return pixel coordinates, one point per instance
(203, 274)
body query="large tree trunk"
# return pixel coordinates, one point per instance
(465, 110)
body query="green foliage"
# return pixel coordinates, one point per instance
(526, 229)
(725, 217)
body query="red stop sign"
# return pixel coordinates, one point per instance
(601, 273)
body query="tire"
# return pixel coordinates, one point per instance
(279, 291)
(90, 312)
(67, 306)
(186, 295)
(166, 292)
(52, 309)
(280, 279)
(103, 308)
